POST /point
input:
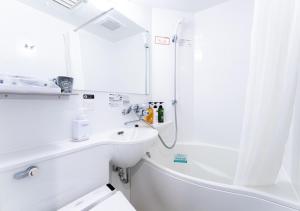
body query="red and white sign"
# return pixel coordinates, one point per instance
(162, 40)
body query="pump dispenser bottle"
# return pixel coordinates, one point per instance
(155, 109)
(161, 113)
(80, 127)
(150, 117)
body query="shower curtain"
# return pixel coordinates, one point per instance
(275, 57)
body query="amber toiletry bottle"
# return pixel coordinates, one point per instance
(150, 116)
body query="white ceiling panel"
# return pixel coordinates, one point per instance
(183, 5)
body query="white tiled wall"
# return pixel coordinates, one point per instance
(212, 71)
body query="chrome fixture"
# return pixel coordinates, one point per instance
(127, 110)
(139, 109)
(174, 102)
(29, 46)
(123, 173)
(29, 172)
(133, 121)
(175, 38)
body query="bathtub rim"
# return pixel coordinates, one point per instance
(220, 186)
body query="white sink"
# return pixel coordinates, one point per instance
(130, 145)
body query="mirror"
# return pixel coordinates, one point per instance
(111, 53)
(108, 53)
(31, 43)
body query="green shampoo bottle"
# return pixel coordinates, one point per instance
(161, 113)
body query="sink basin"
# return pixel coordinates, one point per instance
(130, 145)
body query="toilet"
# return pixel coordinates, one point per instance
(105, 198)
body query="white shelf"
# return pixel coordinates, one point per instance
(162, 126)
(49, 94)
(25, 96)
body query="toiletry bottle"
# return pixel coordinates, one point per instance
(80, 127)
(160, 113)
(150, 117)
(155, 116)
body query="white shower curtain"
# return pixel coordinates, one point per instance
(275, 56)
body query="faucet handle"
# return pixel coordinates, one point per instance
(127, 110)
(142, 110)
(144, 113)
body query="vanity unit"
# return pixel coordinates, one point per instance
(49, 177)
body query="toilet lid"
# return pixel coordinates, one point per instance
(105, 198)
(116, 202)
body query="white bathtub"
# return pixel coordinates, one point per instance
(203, 184)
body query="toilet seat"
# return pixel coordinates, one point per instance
(105, 198)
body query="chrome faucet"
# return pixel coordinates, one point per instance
(139, 109)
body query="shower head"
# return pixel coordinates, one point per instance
(179, 23)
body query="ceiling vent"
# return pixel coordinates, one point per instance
(111, 24)
(69, 4)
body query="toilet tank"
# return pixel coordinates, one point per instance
(60, 180)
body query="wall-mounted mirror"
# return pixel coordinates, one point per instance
(103, 51)
(110, 53)
(31, 42)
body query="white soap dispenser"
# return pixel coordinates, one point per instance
(80, 127)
